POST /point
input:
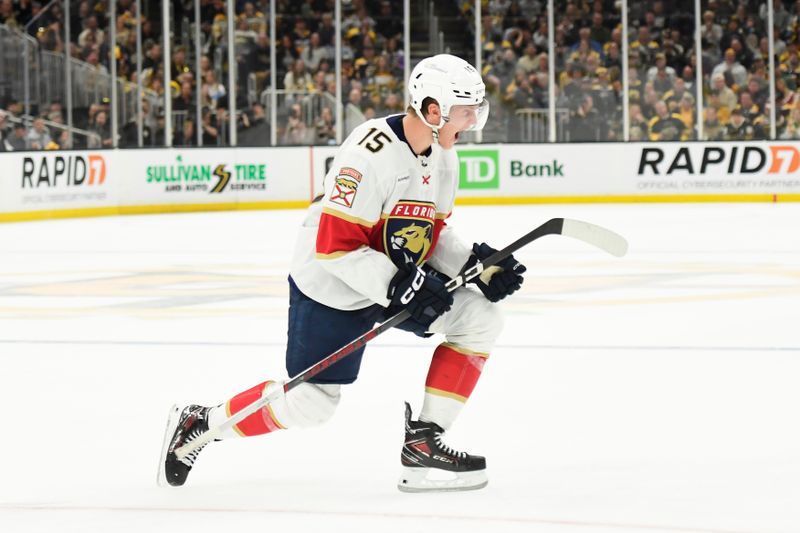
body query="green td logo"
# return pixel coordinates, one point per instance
(479, 169)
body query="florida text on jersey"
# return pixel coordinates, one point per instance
(383, 205)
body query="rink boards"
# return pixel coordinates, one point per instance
(38, 185)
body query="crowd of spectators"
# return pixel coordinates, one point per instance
(372, 66)
(661, 67)
(588, 40)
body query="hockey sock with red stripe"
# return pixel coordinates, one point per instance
(261, 422)
(452, 377)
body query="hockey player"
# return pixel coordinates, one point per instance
(377, 243)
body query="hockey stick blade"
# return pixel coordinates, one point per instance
(592, 234)
(598, 236)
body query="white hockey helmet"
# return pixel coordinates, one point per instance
(450, 81)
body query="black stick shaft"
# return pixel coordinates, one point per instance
(551, 227)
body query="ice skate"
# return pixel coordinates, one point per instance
(429, 465)
(183, 425)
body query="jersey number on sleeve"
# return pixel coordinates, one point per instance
(373, 140)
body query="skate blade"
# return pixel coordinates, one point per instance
(172, 423)
(418, 479)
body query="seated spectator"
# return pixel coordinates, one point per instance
(255, 20)
(39, 136)
(257, 129)
(742, 54)
(710, 31)
(598, 32)
(129, 135)
(5, 133)
(792, 128)
(324, 128)
(673, 49)
(661, 71)
(179, 64)
(314, 52)
(18, 140)
(91, 33)
(713, 129)
(327, 29)
(8, 16)
(153, 58)
(638, 120)
(674, 96)
(731, 68)
(393, 104)
(613, 57)
(750, 110)
(388, 24)
(185, 100)
(529, 61)
(585, 123)
(298, 79)
(210, 132)
(738, 127)
(685, 112)
(665, 126)
(296, 131)
(760, 93)
(727, 98)
(689, 79)
(524, 96)
(102, 128)
(62, 141)
(186, 136)
(644, 47)
(213, 92)
(649, 101)
(257, 61)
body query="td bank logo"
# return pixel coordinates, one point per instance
(479, 169)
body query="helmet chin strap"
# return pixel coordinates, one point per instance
(434, 129)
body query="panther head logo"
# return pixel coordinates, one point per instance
(416, 239)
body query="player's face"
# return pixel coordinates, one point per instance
(462, 118)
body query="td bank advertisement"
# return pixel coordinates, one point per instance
(608, 170)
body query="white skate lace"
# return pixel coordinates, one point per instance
(191, 457)
(437, 437)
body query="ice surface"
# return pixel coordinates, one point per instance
(654, 393)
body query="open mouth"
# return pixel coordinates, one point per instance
(458, 133)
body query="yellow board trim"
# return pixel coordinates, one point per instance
(445, 394)
(673, 198)
(295, 204)
(148, 210)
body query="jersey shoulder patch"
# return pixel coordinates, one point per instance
(345, 186)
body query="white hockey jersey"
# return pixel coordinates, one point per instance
(382, 206)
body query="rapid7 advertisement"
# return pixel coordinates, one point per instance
(601, 170)
(49, 180)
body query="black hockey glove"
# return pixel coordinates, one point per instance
(501, 283)
(423, 295)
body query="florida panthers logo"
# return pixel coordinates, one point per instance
(412, 241)
(408, 232)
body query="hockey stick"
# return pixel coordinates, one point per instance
(597, 236)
